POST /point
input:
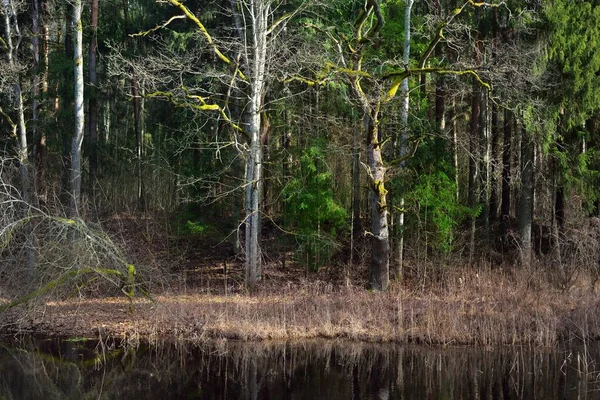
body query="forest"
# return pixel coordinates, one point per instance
(243, 146)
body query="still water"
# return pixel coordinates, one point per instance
(33, 368)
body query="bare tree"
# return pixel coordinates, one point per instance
(257, 25)
(11, 42)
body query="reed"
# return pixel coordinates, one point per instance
(484, 307)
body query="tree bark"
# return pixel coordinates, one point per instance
(12, 30)
(380, 245)
(494, 164)
(137, 124)
(78, 110)
(526, 197)
(400, 147)
(93, 101)
(506, 175)
(474, 149)
(259, 14)
(486, 160)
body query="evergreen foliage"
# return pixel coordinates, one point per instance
(312, 212)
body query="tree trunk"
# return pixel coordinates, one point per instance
(494, 164)
(485, 179)
(11, 29)
(137, 124)
(93, 102)
(474, 162)
(64, 100)
(35, 42)
(380, 245)
(455, 147)
(400, 147)
(41, 149)
(526, 197)
(356, 221)
(259, 13)
(78, 110)
(506, 176)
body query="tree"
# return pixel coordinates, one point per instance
(249, 71)
(93, 99)
(372, 89)
(78, 133)
(11, 45)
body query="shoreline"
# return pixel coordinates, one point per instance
(484, 312)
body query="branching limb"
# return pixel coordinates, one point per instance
(202, 106)
(7, 118)
(12, 124)
(157, 27)
(398, 76)
(439, 34)
(371, 6)
(410, 154)
(308, 81)
(204, 32)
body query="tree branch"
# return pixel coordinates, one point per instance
(157, 27)
(439, 35)
(408, 155)
(205, 33)
(399, 76)
(203, 106)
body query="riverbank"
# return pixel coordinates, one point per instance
(486, 307)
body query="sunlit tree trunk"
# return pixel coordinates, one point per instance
(259, 14)
(380, 238)
(13, 40)
(137, 125)
(41, 148)
(401, 146)
(78, 110)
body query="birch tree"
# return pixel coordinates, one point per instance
(257, 24)
(77, 140)
(400, 147)
(11, 43)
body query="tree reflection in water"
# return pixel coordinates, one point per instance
(59, 369)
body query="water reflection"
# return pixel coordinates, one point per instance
(55, 369)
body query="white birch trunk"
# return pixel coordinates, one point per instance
(404, 105)
(259, 12)
(78, 111)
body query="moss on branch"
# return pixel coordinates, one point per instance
(157, 27)
(205, 33)
(202, 106)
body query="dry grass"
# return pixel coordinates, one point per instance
(484, 307)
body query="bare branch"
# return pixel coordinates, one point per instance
(157, 27)
(205, 33)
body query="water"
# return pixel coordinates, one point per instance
(59, 369)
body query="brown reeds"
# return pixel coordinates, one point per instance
(484, 307)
